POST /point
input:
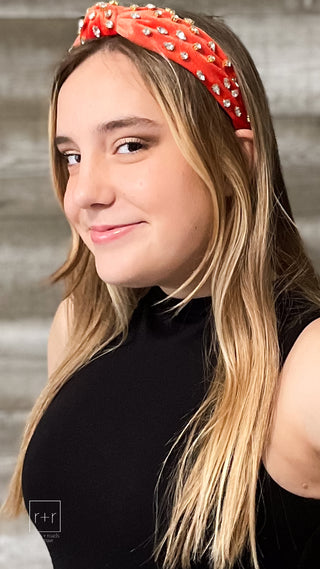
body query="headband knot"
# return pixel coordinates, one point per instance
(161, 30)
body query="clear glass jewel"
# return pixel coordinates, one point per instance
(201, 76)
(226, 103)
(150, 6)
(109, 25)
(181, 35)
(162, 30)
(170, 11)
(175, 18)
(96, 31)
(194, 30)
(134, 6)
(211, 58)
(169, 46)
(197, 46)
(102, 4)
(215, 88)
(147, 31)
(135, 15)
(235, 81)
(158, 13)
(237, 111)
(80, 25)
(248, 118)
(113, 3)
(227, 63)
(212, 45)
(184, 55)
(189, 21)
(108, 13)
(226, 83)
(235, 92)
(92, 16)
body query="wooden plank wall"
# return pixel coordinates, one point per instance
(283, 38)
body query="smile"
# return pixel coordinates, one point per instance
(106, 235)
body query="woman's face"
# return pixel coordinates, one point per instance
(126, 169)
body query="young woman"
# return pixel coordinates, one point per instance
(179, 426)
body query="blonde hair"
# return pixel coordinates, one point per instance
(255, 254)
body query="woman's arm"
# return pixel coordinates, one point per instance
(293, 454)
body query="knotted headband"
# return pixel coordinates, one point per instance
(161, 30)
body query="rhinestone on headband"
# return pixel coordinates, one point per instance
(170, 46)
(181, 35)
(80, 25)
(201, 76)
(162, 30)
(96, 31)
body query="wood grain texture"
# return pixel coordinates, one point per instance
(285, 48)
(73, 8)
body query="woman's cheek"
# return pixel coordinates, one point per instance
(69, 207)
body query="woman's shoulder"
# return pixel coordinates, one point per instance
(59, 334)
(294, 313)
(293, 457)
(300, 377)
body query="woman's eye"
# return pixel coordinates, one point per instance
(131, 144)
(72, 159)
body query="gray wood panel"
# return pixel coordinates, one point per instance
(73, 8)
(286, 50)
(30, 250)
(23, 351)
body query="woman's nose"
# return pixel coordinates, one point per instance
(93, 185)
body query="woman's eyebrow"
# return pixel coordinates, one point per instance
(116, 124)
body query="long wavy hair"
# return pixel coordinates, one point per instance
(255, 254)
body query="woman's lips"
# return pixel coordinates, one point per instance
(101, 233)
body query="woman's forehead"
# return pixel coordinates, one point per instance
(107, 82)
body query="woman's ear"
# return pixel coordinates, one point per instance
(246, 137)
(246, 140)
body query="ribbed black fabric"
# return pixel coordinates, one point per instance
(100, 445)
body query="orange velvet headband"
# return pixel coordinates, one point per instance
(161, 30)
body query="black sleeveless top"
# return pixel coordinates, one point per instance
(92, 464)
